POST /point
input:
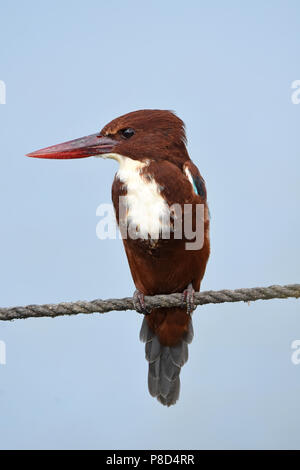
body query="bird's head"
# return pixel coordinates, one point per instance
(148, 134)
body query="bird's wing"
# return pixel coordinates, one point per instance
(196, 180)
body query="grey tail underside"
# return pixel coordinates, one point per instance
(165, 363)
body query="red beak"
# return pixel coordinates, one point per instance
(79, 148)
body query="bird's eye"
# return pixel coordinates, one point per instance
(127, 133)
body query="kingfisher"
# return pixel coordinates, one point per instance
(155, 175)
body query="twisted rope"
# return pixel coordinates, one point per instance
(171, 300)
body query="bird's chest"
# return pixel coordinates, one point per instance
(143, 206)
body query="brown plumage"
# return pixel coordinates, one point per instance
(165, 266)
(155, 173)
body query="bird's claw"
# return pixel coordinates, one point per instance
(188, 299)
(139, 303)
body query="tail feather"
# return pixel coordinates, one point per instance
(179, 353)
(165, 363)
(153, 349)
(189, 335)
(146, 334)
(169, 368)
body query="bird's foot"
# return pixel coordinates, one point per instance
(139, 303)
(188, 299)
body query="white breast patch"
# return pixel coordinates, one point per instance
(147, 209)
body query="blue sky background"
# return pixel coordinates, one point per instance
(226, 68)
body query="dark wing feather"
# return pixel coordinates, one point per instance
(197, 179)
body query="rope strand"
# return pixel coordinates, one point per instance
(171, 300)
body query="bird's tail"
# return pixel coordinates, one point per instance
(165, 361)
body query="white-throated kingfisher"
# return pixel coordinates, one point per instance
(155, 172)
